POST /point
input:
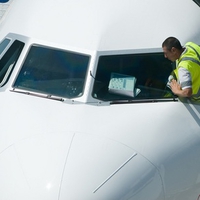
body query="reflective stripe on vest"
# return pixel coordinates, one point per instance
(191, 59)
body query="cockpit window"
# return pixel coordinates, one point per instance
(53, 72)
(9, 59)
(132, 77)
(3, 45)
(197, 2)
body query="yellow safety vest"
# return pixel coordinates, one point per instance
(190, 60)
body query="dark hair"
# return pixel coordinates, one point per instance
(172, 42)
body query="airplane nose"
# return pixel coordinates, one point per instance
(88, 176)
(66, 168)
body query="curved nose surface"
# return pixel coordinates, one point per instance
(100, 168)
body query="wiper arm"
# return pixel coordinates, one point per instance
(142, 101)
(48, 96)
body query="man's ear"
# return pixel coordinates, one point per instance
(173, 49)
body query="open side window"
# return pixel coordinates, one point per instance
(132, 77)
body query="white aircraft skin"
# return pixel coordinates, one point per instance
(87, 147)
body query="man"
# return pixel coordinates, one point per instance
(187, 67)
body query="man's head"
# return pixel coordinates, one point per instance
(172, 48)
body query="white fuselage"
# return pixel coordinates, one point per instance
(64, 134)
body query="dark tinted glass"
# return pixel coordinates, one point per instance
(9, 60)
(53, 72)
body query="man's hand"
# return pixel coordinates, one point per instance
(177, 90)
(175, 87)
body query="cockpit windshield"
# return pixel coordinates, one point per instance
(53, 72)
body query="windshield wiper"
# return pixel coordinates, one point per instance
(48, 96)
(143, 101)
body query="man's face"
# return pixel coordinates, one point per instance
(170, 54)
